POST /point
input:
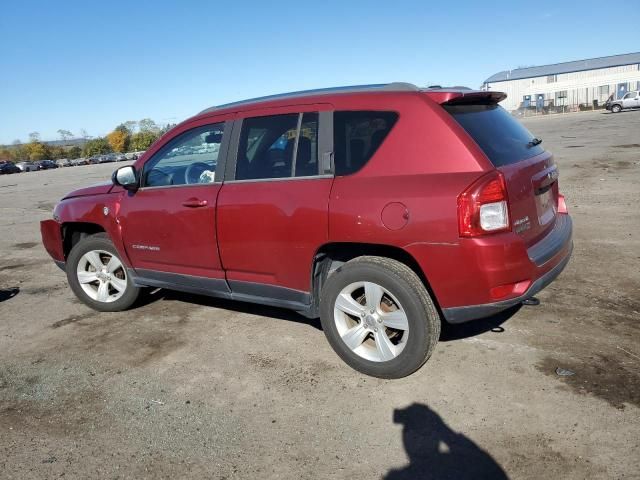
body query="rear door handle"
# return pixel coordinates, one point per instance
(194, 203)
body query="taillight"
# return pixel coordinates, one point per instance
(483, 208)
(562, 204)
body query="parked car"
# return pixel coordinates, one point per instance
(107, 158)
(7, 168)
(64, 162)
(80, 161)
(384, 210)
(131, 156)
(27, 166)
(629, 101)
(120, 157)
(46, 164)
(95, 159)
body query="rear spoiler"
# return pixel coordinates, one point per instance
(462, 97)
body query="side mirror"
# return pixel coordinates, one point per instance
(126, 177)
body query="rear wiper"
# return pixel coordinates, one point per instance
(534, 142)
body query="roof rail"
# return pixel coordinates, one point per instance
(379, 87)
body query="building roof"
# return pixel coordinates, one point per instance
(566, 67)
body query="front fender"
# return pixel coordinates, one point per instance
(100, 210)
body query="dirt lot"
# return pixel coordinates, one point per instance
(188, 385)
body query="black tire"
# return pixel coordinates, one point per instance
(403, 283)
(99, 241)
(616, 109)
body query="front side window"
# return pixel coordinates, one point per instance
(191, 158)
(630, 95)
(356, 137)
(278, 146)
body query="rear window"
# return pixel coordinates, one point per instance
(500, 136)
(356, 137)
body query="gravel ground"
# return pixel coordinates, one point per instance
(191, 386)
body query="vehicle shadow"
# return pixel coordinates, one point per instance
(232, 305)
(8, 293)
(476, 327)
(437, 452)
(449, 331)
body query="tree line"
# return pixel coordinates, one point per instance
(130, 136)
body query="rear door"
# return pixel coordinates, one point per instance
(530, 171)
(273, 207)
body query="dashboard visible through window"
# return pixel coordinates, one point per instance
(191, 158)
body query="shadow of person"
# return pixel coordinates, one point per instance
(437, 452)
(8, 293)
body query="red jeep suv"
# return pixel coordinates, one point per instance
(382, 209)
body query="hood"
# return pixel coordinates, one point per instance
(97, 189)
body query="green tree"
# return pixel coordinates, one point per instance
(20, 152)
(96, 146)
(57, 152)
(143, 140)
(65, 134)
(131, 125)
(37, 150)
(74, 152)
(148, 125)
(34, 137)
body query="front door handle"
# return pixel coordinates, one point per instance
(194, 203)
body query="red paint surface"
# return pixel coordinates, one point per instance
(269, 231)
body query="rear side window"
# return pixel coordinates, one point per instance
(356, 137)
(278, 146)
(500, 136)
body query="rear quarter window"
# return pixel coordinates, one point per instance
(356, 137)
(501, 137)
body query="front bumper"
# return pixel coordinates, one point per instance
(555, 248)
(52, 241)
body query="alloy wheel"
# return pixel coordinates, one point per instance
(102, 276)
(371, 321)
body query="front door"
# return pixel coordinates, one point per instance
(168, 225)
(273, 207)
(631, 100)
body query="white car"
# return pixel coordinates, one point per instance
(630, 100)
(27, 166)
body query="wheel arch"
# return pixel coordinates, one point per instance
(331, 255)
(73, 232)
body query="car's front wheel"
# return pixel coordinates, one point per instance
(616, 109)
(378, 317)
(98, 276)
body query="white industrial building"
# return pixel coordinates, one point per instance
(565, 85)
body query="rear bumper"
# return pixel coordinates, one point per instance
(549, 256)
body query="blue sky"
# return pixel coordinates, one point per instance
(93, 65)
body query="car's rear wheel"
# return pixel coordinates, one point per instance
(378, 317)
(98, 276)
(616, 109)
